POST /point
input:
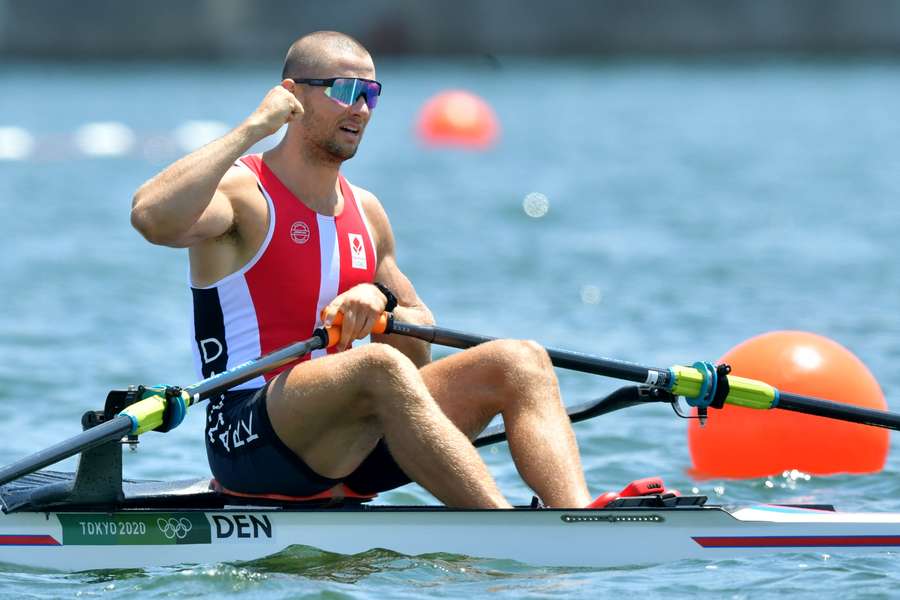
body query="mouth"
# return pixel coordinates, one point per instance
(351, 129)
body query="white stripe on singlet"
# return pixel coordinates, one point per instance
(365, 220)
(331, 268)
(242, 333)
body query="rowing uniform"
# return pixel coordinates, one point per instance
(304, 262)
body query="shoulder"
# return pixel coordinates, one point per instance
(240, 186)
(237, 183)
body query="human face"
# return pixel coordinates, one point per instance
(335, 121)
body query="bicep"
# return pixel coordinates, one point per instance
(216, 220)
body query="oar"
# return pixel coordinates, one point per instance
(696, 383)
(625, 397)
(691, 382)
(148, 414)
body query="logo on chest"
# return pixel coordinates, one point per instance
(299, 232)
(357, 251)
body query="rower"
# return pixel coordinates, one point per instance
(280, 244)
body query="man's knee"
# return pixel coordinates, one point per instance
(513, 367)
(376, 359)
(519, 356)
(384, 371)
(360, 377)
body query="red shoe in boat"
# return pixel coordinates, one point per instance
(648, 486)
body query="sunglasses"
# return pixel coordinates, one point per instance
(346, 90)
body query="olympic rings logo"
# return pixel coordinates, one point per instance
(174, 528)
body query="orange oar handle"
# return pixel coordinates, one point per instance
(334, 332)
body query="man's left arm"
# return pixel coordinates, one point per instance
(410, 308)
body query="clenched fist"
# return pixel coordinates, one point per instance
(277, 108)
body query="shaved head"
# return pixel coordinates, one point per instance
(314, 54)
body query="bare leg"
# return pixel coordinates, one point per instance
(332, 411)
(515, 379)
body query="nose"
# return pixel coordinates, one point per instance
(360, 106)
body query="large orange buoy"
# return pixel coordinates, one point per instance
(457, 118)
(742, 442)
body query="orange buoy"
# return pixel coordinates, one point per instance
(458, 118)
(741, 442)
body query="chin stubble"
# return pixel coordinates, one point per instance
(335, 150)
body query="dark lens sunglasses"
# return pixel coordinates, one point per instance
(346, 90)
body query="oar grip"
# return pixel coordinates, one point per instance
(382, 325)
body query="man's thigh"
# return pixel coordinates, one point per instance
(316, 410)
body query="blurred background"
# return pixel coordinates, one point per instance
(238, 29)
(662, 180)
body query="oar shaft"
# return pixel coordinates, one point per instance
(564, 359)
(679, 380)
(105, 432)
(226, 380)
(834, 410)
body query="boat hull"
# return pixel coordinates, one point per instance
(75, 541)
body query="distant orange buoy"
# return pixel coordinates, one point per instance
(741, 442)
(458, 118)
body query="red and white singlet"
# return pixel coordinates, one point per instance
(306, 260)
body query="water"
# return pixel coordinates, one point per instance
(691, 206)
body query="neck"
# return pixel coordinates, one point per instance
(314, 182)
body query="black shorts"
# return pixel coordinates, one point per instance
(246, 456)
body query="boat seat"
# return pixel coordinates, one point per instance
(339, 494)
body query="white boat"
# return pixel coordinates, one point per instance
(95, 520)
(185, 523)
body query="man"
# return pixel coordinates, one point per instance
(278, 239)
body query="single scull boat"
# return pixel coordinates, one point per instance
(94, 519)
(159, 531)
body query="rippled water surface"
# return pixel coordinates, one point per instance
(691, 206)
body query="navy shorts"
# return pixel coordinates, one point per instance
(246, 456)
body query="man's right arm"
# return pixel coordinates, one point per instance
(183, 204)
